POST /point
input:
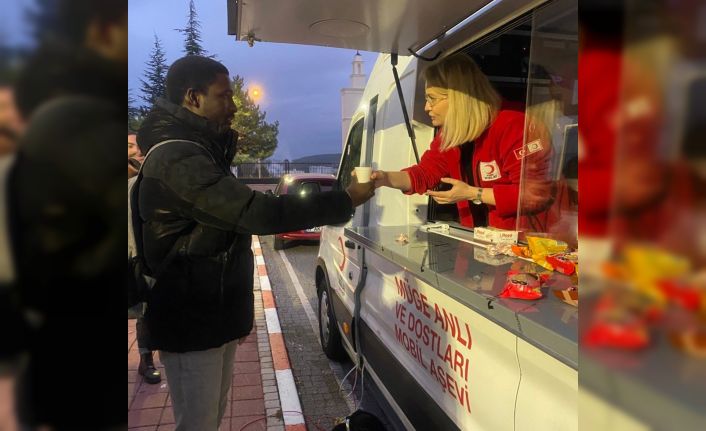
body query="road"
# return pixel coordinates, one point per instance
(324, 395)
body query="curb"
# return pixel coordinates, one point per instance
(289, 398)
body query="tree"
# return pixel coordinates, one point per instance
(134, 113)
(43, 19)
(192, 33)
(7, 72)
(154, 85)
(257, 138)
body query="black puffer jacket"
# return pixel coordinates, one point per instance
(205, 297)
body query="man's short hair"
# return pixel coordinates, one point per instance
(192, 71)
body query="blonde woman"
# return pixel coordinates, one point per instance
(478, 150)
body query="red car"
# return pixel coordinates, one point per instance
(302, 184)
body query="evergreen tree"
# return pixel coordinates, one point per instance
(257, 138)
(192, 33)
(154, 85)
(6, 70)
(134, 113)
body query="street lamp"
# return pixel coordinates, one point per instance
(255, 93)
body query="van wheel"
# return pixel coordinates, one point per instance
(328, 329)
(279, 243)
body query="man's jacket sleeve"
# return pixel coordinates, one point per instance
(215, 199)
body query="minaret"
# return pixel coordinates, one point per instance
(350, 97)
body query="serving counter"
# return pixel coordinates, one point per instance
(468, 274)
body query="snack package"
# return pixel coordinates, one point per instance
(522, 285)
(503, 248)
(691, 341)
(485, 256)
(495, 235)
(617, 326)
(564, 263)
(645, 267)
(570, 295)
(540, 248)
(521, 251)
(621, 334)
(638, 304)
(681, 293)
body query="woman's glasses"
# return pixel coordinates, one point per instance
(433, 100)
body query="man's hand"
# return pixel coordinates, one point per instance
(360, 193)
(460, 191)
(381, 179)
(394, 179)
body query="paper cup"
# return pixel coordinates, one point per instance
(363, 174)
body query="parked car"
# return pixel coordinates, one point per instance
(302, 184)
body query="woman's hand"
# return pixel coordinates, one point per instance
(460, 191)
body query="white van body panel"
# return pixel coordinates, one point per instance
(470, 368)
(548, 396)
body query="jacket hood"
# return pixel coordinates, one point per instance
(170, 121)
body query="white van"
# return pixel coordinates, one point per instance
(422, 317)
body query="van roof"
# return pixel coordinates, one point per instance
(369, 25)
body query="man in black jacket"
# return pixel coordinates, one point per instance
(203, 303)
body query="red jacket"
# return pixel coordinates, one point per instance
(497, 161)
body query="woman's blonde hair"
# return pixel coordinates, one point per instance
(473, 102)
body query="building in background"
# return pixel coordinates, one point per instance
(350, 97)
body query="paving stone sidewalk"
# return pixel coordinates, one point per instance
(254, 402)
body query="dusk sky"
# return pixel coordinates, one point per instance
(301, 85)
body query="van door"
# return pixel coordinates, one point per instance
(342, 255)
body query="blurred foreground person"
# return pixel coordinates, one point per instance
(195, 211)
(8, 141)
(10, 119)
(66, 203)
(10, 129)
